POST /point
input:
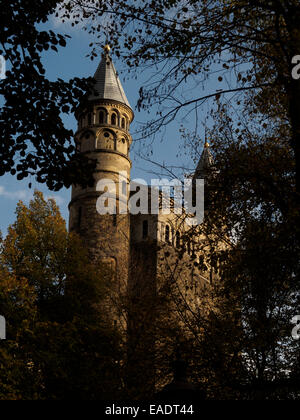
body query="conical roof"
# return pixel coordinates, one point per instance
(108, 85)
(205, 163)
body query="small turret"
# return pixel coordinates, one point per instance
(103, 135)
(205, 163)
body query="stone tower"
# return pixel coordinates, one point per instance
(103, 135)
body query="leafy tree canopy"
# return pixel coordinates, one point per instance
(34, 139)
(59, 343)
(249, 44)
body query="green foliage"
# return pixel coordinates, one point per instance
(59, 344)
(247, 348)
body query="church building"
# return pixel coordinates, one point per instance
(142, 251)
(104, 135)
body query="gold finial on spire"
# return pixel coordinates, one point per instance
(206, 144)
(106, 49)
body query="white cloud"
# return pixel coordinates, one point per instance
(16, 195)
(58, 20)
(27, 195)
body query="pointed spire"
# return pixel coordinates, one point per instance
(206, 162)
(108, 85)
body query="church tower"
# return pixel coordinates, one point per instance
(103, 135)
(205, 163)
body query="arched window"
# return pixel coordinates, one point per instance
(90, 119)
(177, 244)
(101, 117)
(114, 119)
(145, 229)
(123, 123)
(167, 233)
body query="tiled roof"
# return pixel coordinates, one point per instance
(108, 85)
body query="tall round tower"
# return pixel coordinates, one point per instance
(103, 135)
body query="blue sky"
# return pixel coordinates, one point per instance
(72, 62)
